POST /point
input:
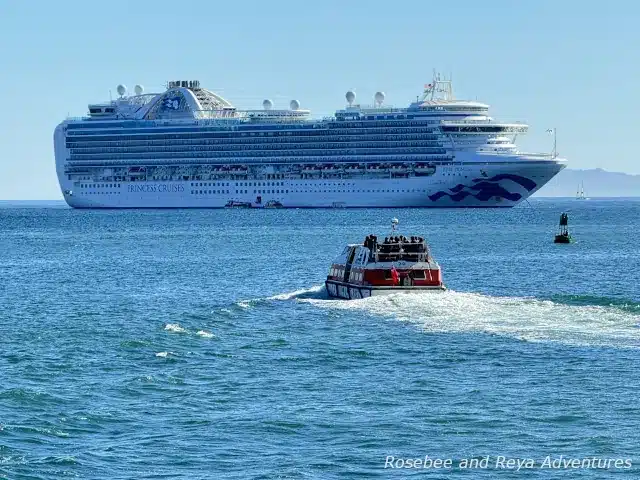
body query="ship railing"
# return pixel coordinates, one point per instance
(483, 121)
(372, 109)
(252, 115)
(543, 156)
(311, 160)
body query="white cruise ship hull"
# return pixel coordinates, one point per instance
(491, 184)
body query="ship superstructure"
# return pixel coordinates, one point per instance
(189, 147)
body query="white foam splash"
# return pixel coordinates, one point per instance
(165, 354)
(519, 317)
(297, 293)
(205, 334)
(174, 327)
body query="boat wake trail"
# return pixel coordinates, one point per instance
(318, 292)
(588, 321)
(626, 305)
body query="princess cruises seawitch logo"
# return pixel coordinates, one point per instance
(171, 103)
(484, 189)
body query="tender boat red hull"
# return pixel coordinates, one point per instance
(350, 291)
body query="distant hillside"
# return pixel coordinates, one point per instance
(597, 183)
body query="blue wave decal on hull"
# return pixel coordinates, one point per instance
(523, 181)
(484, 189)
(457, 188)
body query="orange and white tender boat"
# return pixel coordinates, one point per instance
(379, 267)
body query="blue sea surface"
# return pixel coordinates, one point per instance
(201, 344)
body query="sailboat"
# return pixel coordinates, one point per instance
(580, 192)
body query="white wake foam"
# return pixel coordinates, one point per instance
(524, 318)
(165, 354)
(174, 327)
(305, 292)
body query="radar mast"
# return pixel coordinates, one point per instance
(440, 88)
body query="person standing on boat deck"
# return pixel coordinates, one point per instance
(394, 275)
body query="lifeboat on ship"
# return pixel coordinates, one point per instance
(382, 266)
(422, 169)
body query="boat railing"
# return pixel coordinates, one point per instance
(380, 257)
(400, 251)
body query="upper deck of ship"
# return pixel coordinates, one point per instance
(188, 102)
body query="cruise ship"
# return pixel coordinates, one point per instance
(190, 147)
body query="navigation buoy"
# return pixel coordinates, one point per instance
(563, 235)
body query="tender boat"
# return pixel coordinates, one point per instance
(379, 267)
(273, 204)
(237, 204)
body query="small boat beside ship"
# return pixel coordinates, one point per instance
(395, 264)
(237, 204)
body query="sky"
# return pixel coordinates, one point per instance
(569, 65)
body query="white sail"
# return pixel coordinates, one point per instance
(580, 192)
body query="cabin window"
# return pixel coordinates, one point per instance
(418, 275)
(387, 274)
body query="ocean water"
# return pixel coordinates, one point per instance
(201, 344)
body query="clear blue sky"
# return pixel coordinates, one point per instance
(573, 65)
